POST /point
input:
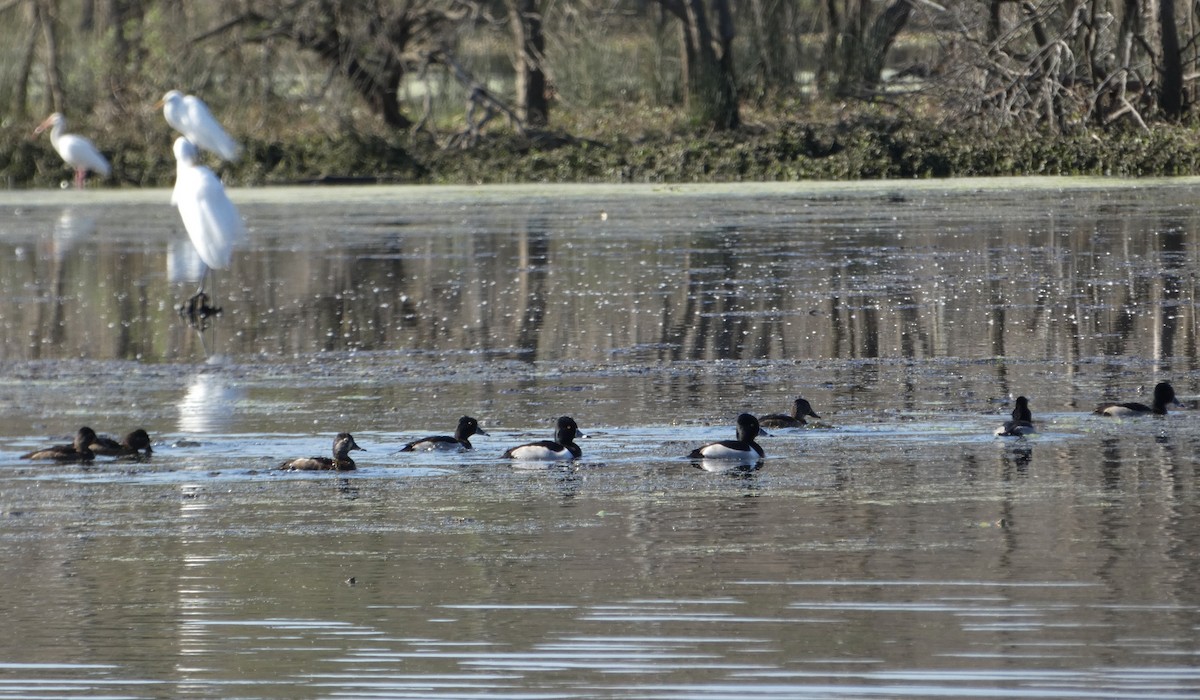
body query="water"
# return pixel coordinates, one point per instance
(898, 551)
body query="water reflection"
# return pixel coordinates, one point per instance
(184, 266)
(208, 407)
(528, 280)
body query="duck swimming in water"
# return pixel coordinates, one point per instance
(130, 446)
(1021, 423)
(1164, 394)
(743, 448)
(563, 446)
(342, 444)
(79, 451)
(800, 409)
(467, 426)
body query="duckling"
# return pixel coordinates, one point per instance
(342, 444)
(79, 451)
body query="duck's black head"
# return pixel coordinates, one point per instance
(566, 430)
(747, 427)
(468, 426)
(802, 408)
(84, 437)
(1164, 393)
(138, 440)
(343, 443)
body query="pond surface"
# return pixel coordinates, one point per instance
(895, 549)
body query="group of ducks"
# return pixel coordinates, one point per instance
(744, 448)
(563, 446)
(212, 221)
(88, 445)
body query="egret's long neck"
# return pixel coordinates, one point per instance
(56, 132)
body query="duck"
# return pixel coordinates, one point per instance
(79, 451)
(563, 446)
(743, 448)
(467, 426)
(800, 409)
(342, 444)
(1021, 423)
(1164, 394)
(130, 446)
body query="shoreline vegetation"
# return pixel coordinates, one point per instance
(864, 147)
(649, 91)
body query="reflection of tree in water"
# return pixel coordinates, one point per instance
(1167, 311)
(533, 260)
(70, 228)
(330, 300)
(528, 284)
(714, 322)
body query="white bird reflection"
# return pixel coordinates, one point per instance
(71, 227)
(728, 465)
(208, 405)
(184, 265)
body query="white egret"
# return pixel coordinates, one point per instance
(211, 220)
(188, 115)
(78, 152)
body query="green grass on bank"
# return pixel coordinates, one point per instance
(637, 146)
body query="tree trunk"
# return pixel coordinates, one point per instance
(711, 97)
(532, 104)
(995, 20)
(379, 88)
(1170, 92)
(21, 91)
(833, 24)
(857, 51)
(776, 64)
(47, 18)
(881, 38)
(124, 66)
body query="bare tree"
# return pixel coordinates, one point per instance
(1170, 94)
(708, 33)
(121, 21)
(771, 43)
(533, 105)
(45, 20)
(1059, 65)
(372, 44)
(857, 44)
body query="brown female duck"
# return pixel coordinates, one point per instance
(342, 444)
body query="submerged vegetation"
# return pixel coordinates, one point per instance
(465, 91)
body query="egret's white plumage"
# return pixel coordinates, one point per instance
(211, 220)
(76, 151)
(188, 115)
